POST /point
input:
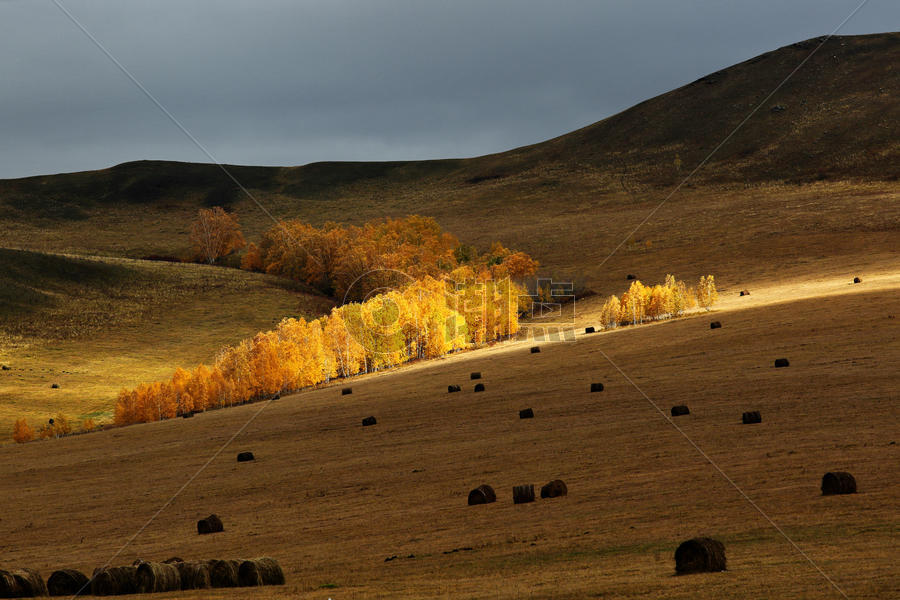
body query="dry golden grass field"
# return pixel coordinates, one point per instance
(94, 326)
(332, 500)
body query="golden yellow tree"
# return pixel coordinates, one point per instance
(215, 234)
(707, 295)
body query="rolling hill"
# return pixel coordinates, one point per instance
(836, 119)
(335, 501)
(93, 326)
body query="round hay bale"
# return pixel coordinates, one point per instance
(589, 330)
(346, 391)
(781, 362)
(629, 277)
(475, 375)
(453, 388)
(751, 417)
(526, 413)
(554, 489)
(838, 482)
(680, 410)
(535, 349)
(369, 421)
(114, 581)
(260, 571)
(715, 325)
(596, 387)
(9, 588)
(245, 457)
(30, 584)
(152, 578)
(523, 494)
(700, 555)
(194, 575)
(211, 524)
(223, 573)
(483, 494)
(66, 582)
(479, 387)
(857, 280)
(744, 293)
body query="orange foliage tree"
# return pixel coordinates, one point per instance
(405, 296)
(215, 234)
(22, 432)
(427, 318)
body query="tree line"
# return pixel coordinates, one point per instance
(642, 303)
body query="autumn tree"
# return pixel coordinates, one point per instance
(706, 292)
(215, 234)
(22, 432)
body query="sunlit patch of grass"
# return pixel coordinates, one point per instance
(134, 321)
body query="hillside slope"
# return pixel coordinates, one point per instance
(94, 326)
(333, 501)
(836, 118)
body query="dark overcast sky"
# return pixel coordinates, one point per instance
(291, 82)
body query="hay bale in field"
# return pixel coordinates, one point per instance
(554, 489)
(744, 293)
(781, 362)
(535, 349)
(194, 575)
(152, 578)
(475, 375)
(629, 277)
(346, 391)
(211, 524)
(750, 417)
(369, 421)
(680, 410)
(715, 325)
(30, 584)
(223, 573)
(857, 280)
(526, 413)
(245, 457)
(838, 482)
(453, 388)
(114, 581)
(8, 586)
(523, 493)
(700, 555)
(483, 494)
(596, 387)
(589, 330)
(479, 387)
(260, 571)
(66, 582)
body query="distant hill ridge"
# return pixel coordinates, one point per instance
(836, 118)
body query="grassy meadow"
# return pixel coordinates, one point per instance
(95, 325)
